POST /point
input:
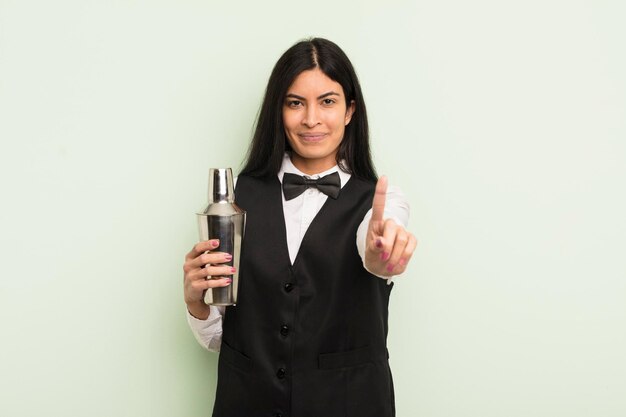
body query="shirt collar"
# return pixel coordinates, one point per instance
(289, 167)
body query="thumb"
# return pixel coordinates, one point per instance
(375, 242)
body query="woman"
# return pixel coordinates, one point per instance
(308, 335)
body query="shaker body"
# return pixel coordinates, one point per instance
(228, 228)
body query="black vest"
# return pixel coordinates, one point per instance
(307, 340)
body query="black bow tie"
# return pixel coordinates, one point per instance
(294, 185)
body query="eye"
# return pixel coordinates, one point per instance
(328, 101)
(294, 103)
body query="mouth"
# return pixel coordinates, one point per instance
(312, 137)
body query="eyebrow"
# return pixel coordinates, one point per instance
(330, 93)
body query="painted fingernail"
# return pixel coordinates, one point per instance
(384, 256)
(379, 243)
(228, 280)
(402, 261)
(215, 242)
(390, 268)
(228, 257)
(233, 269)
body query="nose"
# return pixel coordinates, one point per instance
(311, 117)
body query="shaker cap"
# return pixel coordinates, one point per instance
(221, 187)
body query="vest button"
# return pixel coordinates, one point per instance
(284, 330)
(281, 373)
(288, 287)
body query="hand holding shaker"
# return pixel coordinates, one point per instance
(223, 220)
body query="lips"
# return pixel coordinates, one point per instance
(312, 137)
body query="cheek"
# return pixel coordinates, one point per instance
(286, 122)
(336, 120)
(289, 115)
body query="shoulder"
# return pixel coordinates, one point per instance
(397, 205)
(395, 192)
(255, 187)
(249, 179)
(362, 184)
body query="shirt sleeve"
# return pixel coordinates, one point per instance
(396, 208)
(208, 332)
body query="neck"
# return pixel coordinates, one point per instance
(312, 166)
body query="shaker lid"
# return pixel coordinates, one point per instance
(221, 187)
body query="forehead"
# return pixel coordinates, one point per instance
(313, 82)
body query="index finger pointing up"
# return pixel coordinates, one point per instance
(378, 204)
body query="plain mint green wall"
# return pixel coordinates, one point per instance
(504, 123)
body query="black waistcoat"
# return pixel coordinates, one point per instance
(307, 340)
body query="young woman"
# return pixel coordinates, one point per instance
(308, 335)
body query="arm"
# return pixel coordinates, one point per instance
(208, 332)
(202, 262)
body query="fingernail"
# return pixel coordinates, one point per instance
(390, 268)
(228, 257)
(215, 242)
(384, 256)
(379, 243)
(402, 261)
(233, 269)
(228, 280)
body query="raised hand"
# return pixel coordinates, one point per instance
(201, 264)
(389, 246)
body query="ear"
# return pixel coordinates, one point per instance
(349, 112)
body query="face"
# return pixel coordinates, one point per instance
(315, 115)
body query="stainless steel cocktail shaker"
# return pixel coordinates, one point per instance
(223, 220)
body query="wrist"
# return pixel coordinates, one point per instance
(199, 310)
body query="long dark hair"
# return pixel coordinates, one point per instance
(269, 142)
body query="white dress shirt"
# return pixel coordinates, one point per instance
(299, 213)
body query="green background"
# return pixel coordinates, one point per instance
(504, 123)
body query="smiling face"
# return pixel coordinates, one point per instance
(315, 116)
